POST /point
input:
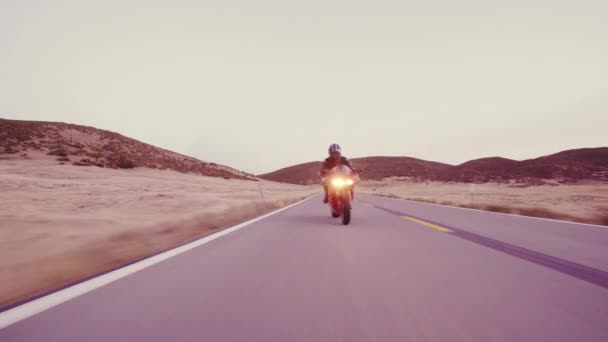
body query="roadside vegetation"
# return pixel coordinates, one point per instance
(600, 219)
(75, 222)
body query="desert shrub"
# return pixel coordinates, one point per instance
(58, 152)
(539, 212)
(80, 164)
(533, 212)
(63, 159)
(213, 164)
(497, 208)
(8, 149)
(602, 219)
(419, 199)
(124, 163)
(23, 137)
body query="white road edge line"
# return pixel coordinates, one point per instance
(39, 305)
(492, 212)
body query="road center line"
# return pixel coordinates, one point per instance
(582, 272)
(428, 224)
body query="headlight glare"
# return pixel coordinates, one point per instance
(337, 182)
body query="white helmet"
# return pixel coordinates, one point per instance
(334, 148)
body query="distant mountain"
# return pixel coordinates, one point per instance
(566, 166)
(307, 173)
(88, 146)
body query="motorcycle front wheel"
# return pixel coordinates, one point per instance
(346, 216)
(346, 208)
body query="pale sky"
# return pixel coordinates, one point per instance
(264, 84)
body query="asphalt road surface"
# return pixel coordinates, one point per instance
(402, 271)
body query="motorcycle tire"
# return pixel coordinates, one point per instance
(346, 216)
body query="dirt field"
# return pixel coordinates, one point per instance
(583, 202)
(60, 223)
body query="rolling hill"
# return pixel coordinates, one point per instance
(88, 146)
(566, 166)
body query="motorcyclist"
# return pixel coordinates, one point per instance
(335, 158)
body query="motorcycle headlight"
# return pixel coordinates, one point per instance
(349, 182)
(338, 182)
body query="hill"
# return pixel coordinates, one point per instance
(88, 146)
(566, 166)
(372, 167)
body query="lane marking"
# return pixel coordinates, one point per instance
(36, 306)
(428, 224)
(491, 212)
(585, 273)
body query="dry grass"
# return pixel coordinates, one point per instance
(56, 270)
(600, 219)
(64, 223)
(101, 148)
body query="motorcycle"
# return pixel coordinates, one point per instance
(341, 182)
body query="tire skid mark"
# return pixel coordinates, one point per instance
(582, 272)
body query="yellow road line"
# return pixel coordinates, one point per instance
(428, 224)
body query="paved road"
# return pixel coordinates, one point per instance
(443, 274)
